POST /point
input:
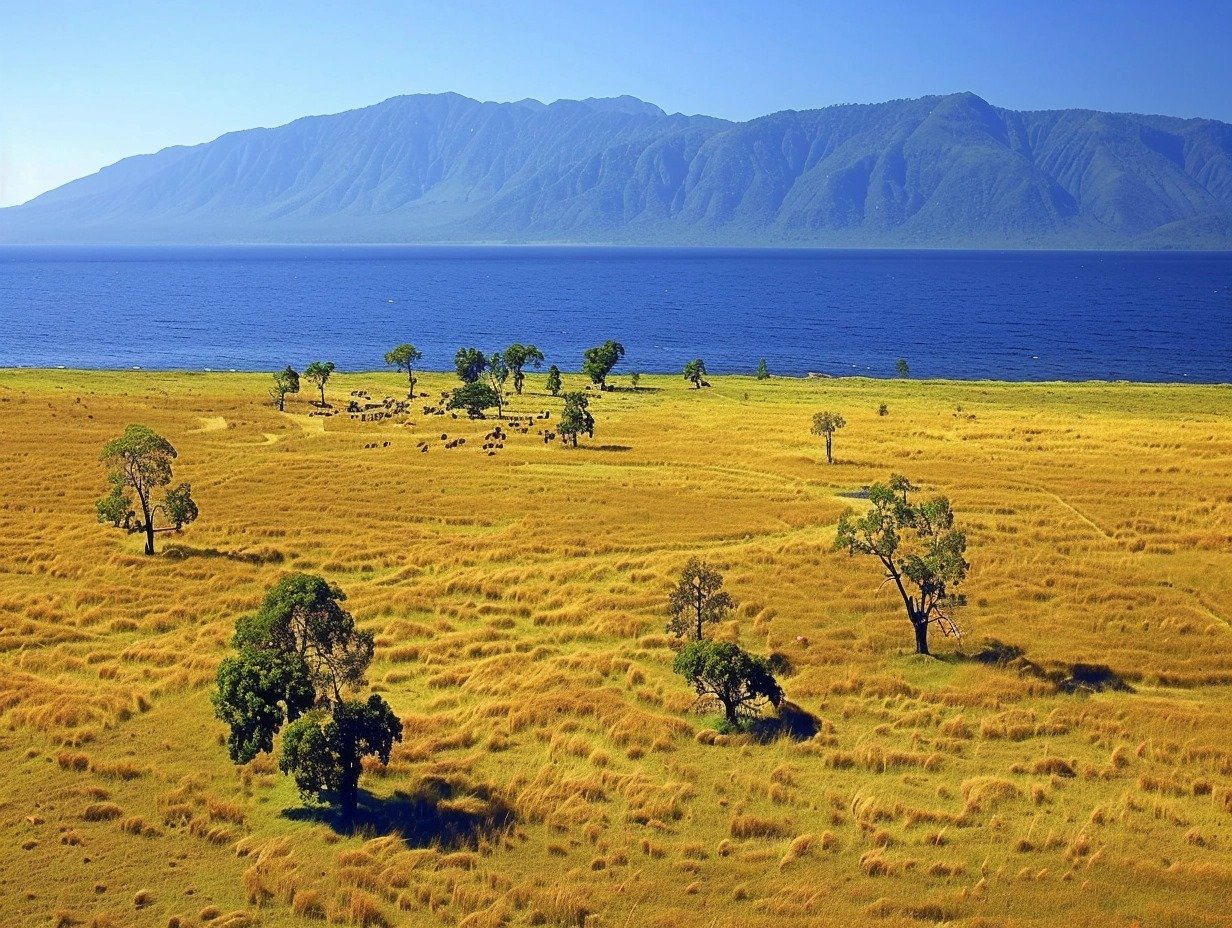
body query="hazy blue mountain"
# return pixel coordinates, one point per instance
(937, 171)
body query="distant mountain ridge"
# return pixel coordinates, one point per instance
(942, 171)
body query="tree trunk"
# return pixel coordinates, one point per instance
(729, 708)
(348, 793)
(282, 402)
(149, 537)
(921, 636)
(829, 448)
(322, 395)
(410, 393)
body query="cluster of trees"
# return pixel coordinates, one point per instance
(298, 662)
(287, 381)
(719, 671)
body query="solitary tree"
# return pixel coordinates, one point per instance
(553, 384)
(285, 381)
(725, 673)
(919, 548)
(695, 372)
(319, 372)
(763, 372)
(517, 356)
(827, 423)
(901, 367)
(576, 418)
(697, 600)
(139, 464)
(475, 398)
(634, 379)
(298, 659)
(403, 358)
(497, 372)
(470, 364)
(598, 362)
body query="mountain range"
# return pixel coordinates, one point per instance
(939, 171)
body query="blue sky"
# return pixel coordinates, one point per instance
(83, 84)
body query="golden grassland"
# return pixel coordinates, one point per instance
(552, 772)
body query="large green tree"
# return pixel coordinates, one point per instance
(497, 372)
(598, 362)
(826, 424)
(285, 381)
(139, 465)
(297, 661)
(474, 398)
(470, 364)
(695, 372)
(319, 372)
(553, 383)
(725, 673)
(697, 600)
(517, 356)
(921, 551)
(575, 418)
(404, 358)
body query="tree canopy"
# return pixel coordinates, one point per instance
(697, 600)
(470, 364)
(576, 418)
(517, 356)
(285, 381)
(763, 372)
(139, 465)
(918, 547)
(319, 372)
(297, 659)
(553, 383)
(598, 362)
(475, 398)
(902, 368)
(723, 672)
(404, 358)
(827, 423)
(497, 372)
(695, 372)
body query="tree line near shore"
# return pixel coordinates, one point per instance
(299, 662)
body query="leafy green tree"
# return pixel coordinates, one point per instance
(319, 372)
(517, 356)
(763, 372)
(497, 373)
(883, 410)
(470, 364)
(296, 660)
(576, 418)
(827, 423)
(635, 378)
(919, 548)
(901, 367)
(139, 464)
(554, 380)
(697, 600)
(723, 672)
(475, 398)
(403, 358)
(695, 372)
(324, 752)
(598, 362)
(285, 381)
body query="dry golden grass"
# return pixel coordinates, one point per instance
(551, 772)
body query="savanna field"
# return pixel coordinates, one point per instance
(553, 771)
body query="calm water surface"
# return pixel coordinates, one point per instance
(1015, 315)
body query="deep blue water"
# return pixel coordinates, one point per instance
(1005, 315)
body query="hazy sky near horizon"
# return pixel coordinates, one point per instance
(84, 83)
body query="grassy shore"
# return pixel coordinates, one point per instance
(552, 772)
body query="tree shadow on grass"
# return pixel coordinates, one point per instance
(790, 722)
(438, 814)
(1080, 679)
(182, 552)
(608, 447)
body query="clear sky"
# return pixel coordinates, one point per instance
(85, 83)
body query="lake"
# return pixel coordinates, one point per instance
(967, 315)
